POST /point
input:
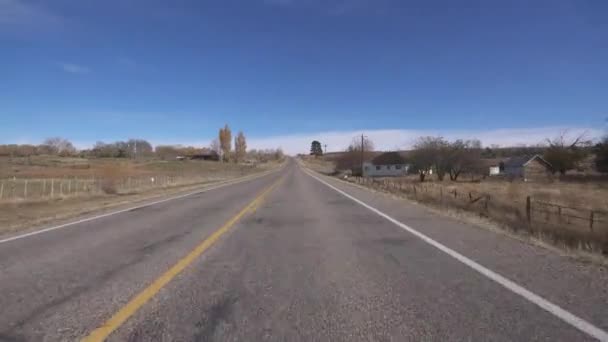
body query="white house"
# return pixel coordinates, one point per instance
(389, 164)
(494, 170)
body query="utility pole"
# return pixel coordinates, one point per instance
(362, 150)
(325, 149)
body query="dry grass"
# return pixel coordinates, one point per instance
(57, 167)
(41, 178)
(80, 186)
(319, 165)
(565, 223)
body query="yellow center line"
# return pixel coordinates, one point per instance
(120, 317)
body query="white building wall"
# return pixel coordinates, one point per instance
(371, 170)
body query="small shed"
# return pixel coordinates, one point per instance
(389, 164)
(530, 168)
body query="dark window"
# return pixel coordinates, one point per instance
(366, 168)
(378, 167)
(388, 167)
(398, 167)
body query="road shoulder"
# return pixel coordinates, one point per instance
(576, 286)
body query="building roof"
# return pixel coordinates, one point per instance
(205, 154)
(388, 158)
(521, 161)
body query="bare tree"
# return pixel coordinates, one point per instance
(265, 155)
(358, 151)
(431, 154)
(215, 146)
(463, 156)
(139, 148)
(225, 137)
(240, 147)
(601, 155)
(166, 152)
(59, 146)
(565, 154)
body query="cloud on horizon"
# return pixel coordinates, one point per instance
(20, 16)
(384, 140)
(400, 139)
(396, 139)
(74, 68)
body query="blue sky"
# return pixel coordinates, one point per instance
(285, 71)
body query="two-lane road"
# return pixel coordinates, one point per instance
(288, 257)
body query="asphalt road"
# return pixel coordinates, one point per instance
(303, 262)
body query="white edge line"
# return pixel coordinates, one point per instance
(554, 309)
(221, 185)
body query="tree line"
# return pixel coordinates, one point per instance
(141, 148)
(442, 157)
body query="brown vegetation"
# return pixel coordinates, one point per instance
(360, 149)
(575, 215)
(566, 155)
(48, 188)
(570, 213)
(240, 147)
(225, 137)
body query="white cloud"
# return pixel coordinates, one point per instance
(74, 68)
(404, 139)
(397, 139)
(20, 15)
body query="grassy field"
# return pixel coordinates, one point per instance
(40, 190)
(57, 167)
(574, 214)
(42, 178)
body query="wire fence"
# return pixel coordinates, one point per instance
(575, 223)
(561, 214)
(32, 189)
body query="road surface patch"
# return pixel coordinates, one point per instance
(101, 333)
(555, 310)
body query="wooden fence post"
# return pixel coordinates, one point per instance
(591, 220)
(43, 188)
(1, 189)
(528, 209)
(25, 189)
(70, 186)
(52, 187)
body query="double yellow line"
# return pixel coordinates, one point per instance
(120, 317)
